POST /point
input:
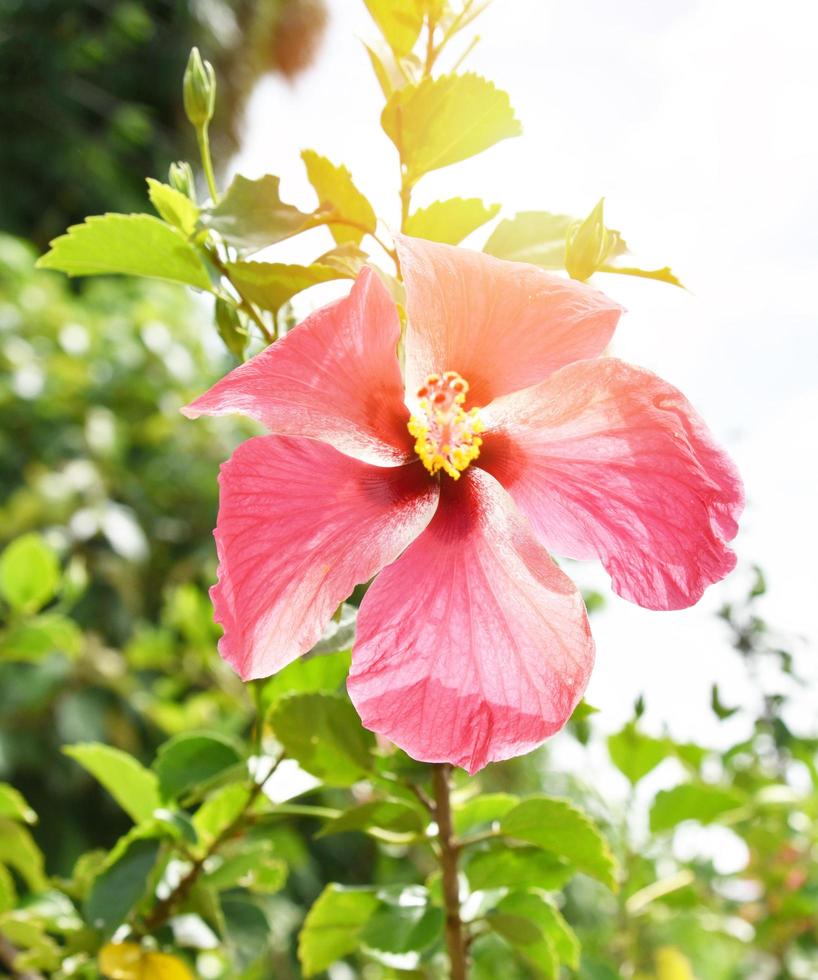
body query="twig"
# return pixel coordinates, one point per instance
(244, 303)
(165, 908)
(455, 938)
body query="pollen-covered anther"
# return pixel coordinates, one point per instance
(446, 436)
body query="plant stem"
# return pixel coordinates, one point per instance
(244, 303)
(455, 935)
(405, 198)
(207, 164)
(165, 908)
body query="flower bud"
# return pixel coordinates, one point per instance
(587, 245)
(230, 327)
(180, 178)
(199, 89)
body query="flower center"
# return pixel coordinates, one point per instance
(446, 435)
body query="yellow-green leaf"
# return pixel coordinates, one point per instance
(271, 284)
(333, 926)
(556, 825)
(399, 21)
(176, 208)
(450, 221)
(29, 573)
(446, 119)
(127, 244)
(635, 754)
(338, 194)
(19, 851)
(135, 788)
(537, 237)
(14, 806)
(692, 801)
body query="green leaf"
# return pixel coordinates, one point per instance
(325, 672)
(482, 810)
(176, 208)
(583, 711)
(19, 851)
(556, 825)
(248, 930)
(127, 244)
(323, 733)
(450, 221)
(220, 810)
(333, 927)
(399, 21)
(135, 788)
(14, 806)
(446, 119)
(175, 823)
(635, 754)
(336, 192)
(377, 817)
(720, 709)
(251, 215)
(404, 923)
(537, 237)
(188, 760)
(29, 573)
(546, 939)
(520, 867)
(247, 864)
(272, 284)
(692, 801)
(122, 885)
(41, 636)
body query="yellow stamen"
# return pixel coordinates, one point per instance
(446, 436)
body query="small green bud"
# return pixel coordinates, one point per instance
(588, 244)
(230, 327)
(199, 89)
(180, 178)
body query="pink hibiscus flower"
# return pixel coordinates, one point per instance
(508, 436)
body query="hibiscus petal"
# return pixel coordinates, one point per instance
(300, 525)
(335, 377)
(473, 646)
(610, 461)
(501, 325)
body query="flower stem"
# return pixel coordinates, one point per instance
(207, 163)
(455, 934)
(405, 198)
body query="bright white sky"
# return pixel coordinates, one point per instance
(696, 119)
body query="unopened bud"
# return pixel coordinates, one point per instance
(587, 245)
(199, 89)
(180, 178)
(230, 327)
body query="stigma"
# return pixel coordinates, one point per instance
(446, 436)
